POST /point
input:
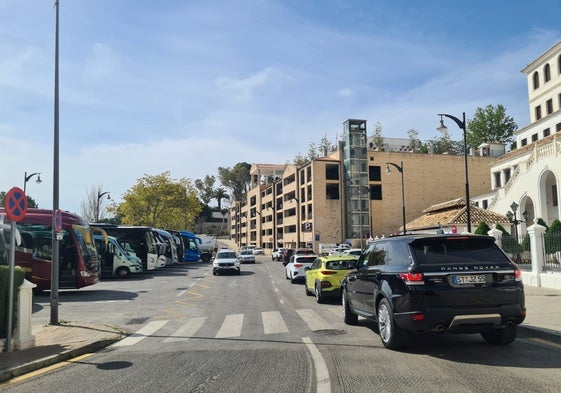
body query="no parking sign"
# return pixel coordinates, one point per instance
(15, 203)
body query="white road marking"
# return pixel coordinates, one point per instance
(313, 319)
(150, 328)
(323, 383)
(187, 331)
(273, 322)
(231, 327)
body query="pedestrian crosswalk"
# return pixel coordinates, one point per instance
(231, 327)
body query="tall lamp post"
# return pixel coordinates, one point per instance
(462, 125)
(99, 196)
(27, 177)
(400, 169)
(511, 215)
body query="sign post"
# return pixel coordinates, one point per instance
(16, 207)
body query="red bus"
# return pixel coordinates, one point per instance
(79, 263)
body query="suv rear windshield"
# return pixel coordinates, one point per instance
(458, 250)
(305, 259)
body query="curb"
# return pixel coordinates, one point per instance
(537, 332)
(6, 375)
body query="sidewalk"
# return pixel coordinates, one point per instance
(57, 343)
(54, 344)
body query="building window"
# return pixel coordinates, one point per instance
(523, 142)
(374, 173)
(546, 132)
(549, 106)
(332, 191)
(554, 199)
(485, 204)
(538, 110)
(546, 73)
(534, 137)
(376, 192)
(332, 172)
(558, 127)
(536, 79)
(497, 179)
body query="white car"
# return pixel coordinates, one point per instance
(258, 251)
(226, 261)
(353, 251)
(296, 267)
(339, 250)
(246, 256)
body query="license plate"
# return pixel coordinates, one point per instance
(469, 279)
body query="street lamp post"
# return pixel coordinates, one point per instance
(27, 177)
(511, 215)
(400, 169)
(462, 125)
(99, 196)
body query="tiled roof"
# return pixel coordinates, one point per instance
(452, 213)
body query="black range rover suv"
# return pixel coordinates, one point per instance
(436, 283)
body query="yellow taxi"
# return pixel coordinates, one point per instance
(324, 277)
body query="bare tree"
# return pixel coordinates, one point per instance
(94, 208)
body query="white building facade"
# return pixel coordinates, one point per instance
(529, 175)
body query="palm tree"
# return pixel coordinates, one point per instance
(219, 194)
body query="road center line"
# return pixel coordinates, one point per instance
(323, 383)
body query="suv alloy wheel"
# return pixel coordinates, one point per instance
(349, 317)
(392, 335)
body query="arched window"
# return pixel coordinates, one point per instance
(536, 78)
(546, 73)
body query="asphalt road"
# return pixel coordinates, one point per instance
(195, 332)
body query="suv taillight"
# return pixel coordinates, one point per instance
(413, 278)
(517, 275)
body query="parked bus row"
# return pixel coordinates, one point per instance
(88, 252)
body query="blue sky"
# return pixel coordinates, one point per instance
(189, 86)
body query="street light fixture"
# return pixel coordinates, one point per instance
(511, 216)
(462, 125)
(99, 196)
(27, 177)
(400, 169)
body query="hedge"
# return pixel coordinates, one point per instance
(19, 274)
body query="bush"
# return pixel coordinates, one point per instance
(19, 274)
(482, 229)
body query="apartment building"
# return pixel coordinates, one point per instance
(349, 195)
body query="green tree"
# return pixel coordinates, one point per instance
(237, 179)
(30, 201)
(161, 202)
(490, 125)
(205, 188)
